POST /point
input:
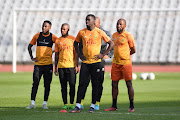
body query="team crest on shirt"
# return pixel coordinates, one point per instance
(114, 39)
(95, 37)
(90, 35)
(118, 37)
(64, 41)
(122, 40)
(84, 36)
(59, 43)
(70, 42)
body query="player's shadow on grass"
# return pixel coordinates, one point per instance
(121, 106)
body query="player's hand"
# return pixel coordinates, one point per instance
(56, 72)
(53, 51)
(76, 70)
(105, 57)
(34, 59)
(97, 57)
(82, 57)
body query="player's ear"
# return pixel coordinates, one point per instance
(50, 27)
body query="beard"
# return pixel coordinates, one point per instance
(119, 30)
(88, 27)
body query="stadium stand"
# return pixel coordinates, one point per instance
(156, 33)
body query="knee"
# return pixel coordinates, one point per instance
(72, 86)
(63, 87)
(47, 87)
(35, 84)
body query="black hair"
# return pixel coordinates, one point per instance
(91, 15)
(47, 21)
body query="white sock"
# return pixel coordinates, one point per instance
(78, 105)
(45, 102)
(32, 102)
(92, 105)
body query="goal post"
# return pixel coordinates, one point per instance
(89, 10)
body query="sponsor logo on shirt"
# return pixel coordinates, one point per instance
(44, 42)
(90, 42)
(70, 42)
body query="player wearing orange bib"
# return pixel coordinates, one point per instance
(124, 47)
(43, 62)
(91, 59)
(66, 60)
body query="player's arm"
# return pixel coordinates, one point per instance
(131, 44)
(30, 53)
(100, 56)
(33, 42)
(76, 69)
(111, 52)
(76, 46)
(110, 45)
(54, 38)
(132, 50)
(56, 59)
(56, 63)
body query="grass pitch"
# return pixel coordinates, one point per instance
(154, 100)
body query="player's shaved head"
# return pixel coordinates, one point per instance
(97, 22)
(66, 24)
(121, 25)
(122, 20)
(65, 29)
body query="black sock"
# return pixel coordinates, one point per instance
(114, 105)
(131, 104)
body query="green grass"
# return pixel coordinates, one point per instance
(154, 100)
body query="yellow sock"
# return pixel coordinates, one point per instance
(97, 103)
(66, 104)
(71, 104)
(82, 101)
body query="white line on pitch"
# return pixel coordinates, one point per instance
(141, 114)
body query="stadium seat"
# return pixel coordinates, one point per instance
(156, 33)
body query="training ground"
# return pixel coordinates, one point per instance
(157, 99)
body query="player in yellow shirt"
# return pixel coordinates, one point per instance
(66, 60)
(91, 59)
(43, 62)
(109, 55)
(124, 47)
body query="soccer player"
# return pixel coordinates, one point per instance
(91, 59)
(43, 62)
(109, 55)
(124, 47)
(66, 59)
